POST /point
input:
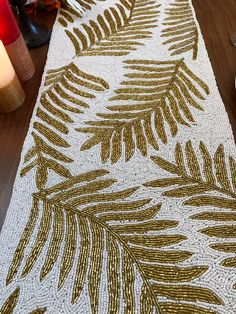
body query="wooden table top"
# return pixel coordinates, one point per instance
(217, 20)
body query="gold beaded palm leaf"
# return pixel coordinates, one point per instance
(82, 225)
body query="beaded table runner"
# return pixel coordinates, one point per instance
(125, 197)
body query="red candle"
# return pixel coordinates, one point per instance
(9, 30)
(14, 43)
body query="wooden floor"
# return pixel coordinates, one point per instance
(217, 19)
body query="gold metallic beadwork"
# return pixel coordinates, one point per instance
(10, 303)
(142, 122)
(179, 20)
(98, 225)
(65, 88)
(117, 27)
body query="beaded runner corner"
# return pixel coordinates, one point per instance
(125, 197)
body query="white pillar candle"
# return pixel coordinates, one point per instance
(7, 71)
(11, 93)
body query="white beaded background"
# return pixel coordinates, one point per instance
(211, 126)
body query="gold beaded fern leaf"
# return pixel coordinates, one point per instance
(196, 182)
(180, 28)
(156, 98)
(209, 183)
(68, 90)
(116, 32)
(79, 225)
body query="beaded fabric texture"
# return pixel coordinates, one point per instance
(125, 197)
